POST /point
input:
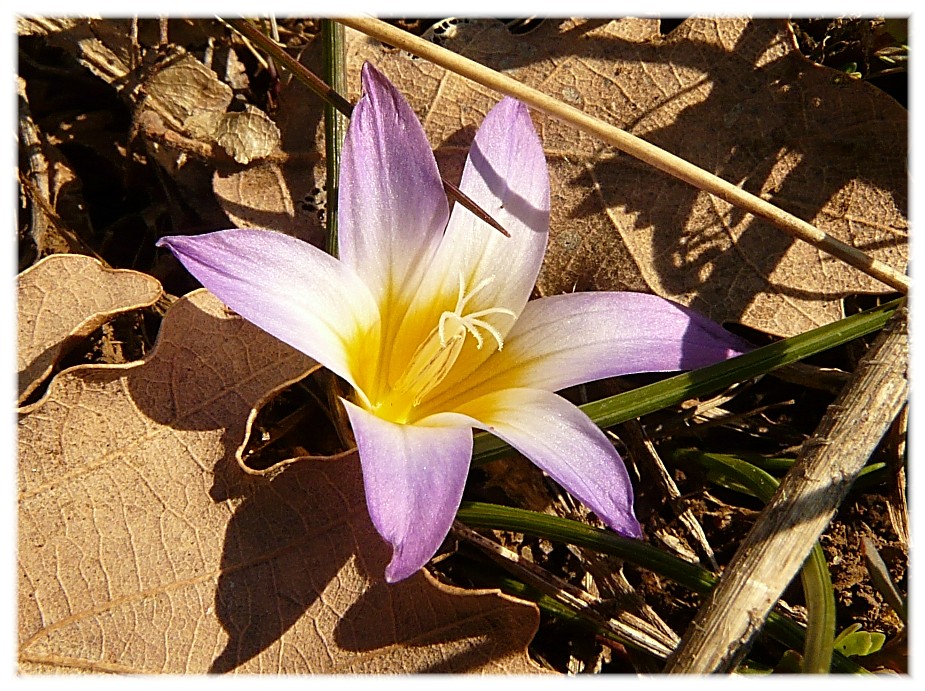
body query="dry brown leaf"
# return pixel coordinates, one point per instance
(103, 46)
(189, 97)
(247, 135)
(287, 197)
(143, 547)
(66, 297)
(733, 96)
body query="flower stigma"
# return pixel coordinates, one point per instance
(438, 352)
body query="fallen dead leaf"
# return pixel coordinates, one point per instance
(143, 548)
(733, 96)
(247, 135)
(64, 298)
(186, 94)
(103, 46)
(190, 98)
(286, 196)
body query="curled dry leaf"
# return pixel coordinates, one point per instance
(66, 297)
(286, 196)
(733, 96)
(144, 548)
(103, 46)
(190, 98)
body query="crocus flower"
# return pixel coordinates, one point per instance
(426, 316)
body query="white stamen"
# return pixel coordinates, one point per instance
(436, 355)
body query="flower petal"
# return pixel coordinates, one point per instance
(288, 288)
(563, 441)
(414, 478)
(575, 338)
(506, 175)
(392, 206)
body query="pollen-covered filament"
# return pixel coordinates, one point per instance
(437, 354)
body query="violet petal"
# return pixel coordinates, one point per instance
(575, 338)
(392, 205)
(414, 477)
(561, 440)
(288, 288)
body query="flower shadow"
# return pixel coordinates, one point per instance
(461, 626)
(301, 555)
(513, 203)
(285, 545)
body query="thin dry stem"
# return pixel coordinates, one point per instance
(625, 625)
(632, 145)
(807, 498)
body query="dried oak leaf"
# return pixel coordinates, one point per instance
(286, 196)
(733, 96)
(143, 548)
(64, 298)
(103, 46)
(190, 98)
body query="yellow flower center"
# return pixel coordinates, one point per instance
(438, 352)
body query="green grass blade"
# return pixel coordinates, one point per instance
(335, 123)
(735, 473)
(648, 399)
(480, 515)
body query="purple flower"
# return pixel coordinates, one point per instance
(425, 315)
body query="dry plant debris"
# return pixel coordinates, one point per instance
(144, 547)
